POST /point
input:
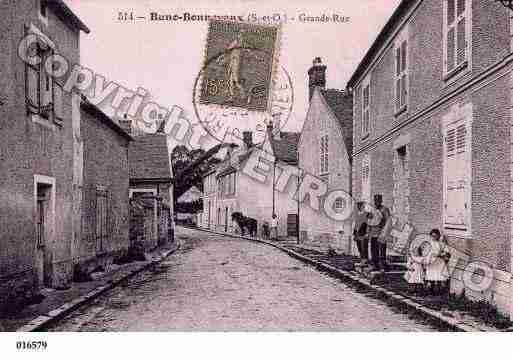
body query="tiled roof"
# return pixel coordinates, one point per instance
(341, 104)
(148, 158)
(285, 148)
(94, 111)
(66, 14)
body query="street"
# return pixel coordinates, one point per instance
(219, 283)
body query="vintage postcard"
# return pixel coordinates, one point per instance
(255, 166)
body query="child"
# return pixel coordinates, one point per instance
(436, 267)
(415, 274)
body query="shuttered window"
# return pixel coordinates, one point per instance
(39, 84)
(366, 110)
(457, 172)
(401, 75)
(102, 211)
(324, 154)
(366, 178)
(456, 33)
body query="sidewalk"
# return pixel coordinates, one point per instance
(58, 303)
(390, 287)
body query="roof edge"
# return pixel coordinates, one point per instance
(61, 8)
(99, 114)
(374, 49)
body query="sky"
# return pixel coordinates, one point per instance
(165, 57)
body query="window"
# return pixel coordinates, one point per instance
(324, 151)
(401, 75)
(456, 34)
(102, 210)
(457, 170)
(366, 110)
(366, 178)
(43, 96)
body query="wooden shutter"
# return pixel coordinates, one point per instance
(58, 101)
(461, 55)
(397, 61)
(457, 177)
(451, 48)
(366, 178)
(32, 88)
(326, 150)
(404, 46)
(403, 81)
(450, 35)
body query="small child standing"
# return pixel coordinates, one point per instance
(415, 273)
(437, 273)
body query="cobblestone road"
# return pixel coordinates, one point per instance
(219, 283)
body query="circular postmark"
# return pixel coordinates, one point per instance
(226, 107)
(240, 87)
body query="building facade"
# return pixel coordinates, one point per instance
(102, 236)
(432, 130)
(37, 150)
(325, 151)
(151, 185)
(234, 186)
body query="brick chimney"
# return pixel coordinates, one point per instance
(126, 124)
(316, 76)
(247, 138)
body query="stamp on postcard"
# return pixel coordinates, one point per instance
(239, 65)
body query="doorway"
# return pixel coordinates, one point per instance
(401, 189)
(226, 219)
(44, 200)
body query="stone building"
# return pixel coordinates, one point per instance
(37, 150)
(234, 185)
(432, 132)
(325, 151)
(151, 185)
(102, 236)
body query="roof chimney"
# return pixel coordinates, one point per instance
(316, 76)
(247, 138)
(126, 124)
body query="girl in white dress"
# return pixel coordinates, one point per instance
(415, 273)
(436, 262)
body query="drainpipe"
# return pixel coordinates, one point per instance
(274, 184)
(297, 194)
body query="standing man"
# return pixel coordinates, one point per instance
(274, 227)
(378, 218)
(360, 232)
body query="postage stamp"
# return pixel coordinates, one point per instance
(240, 60)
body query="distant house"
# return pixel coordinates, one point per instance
(207, 218)
(193, 194)
(282, 146)
(37, 151)
(230, 187)
(151, 181)
(325, 151)
(103, 233)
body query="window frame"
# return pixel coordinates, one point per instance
(366, 178)
(401, 71)
(456, 117)
(324, 154)
(46, 111)
(446, 27)
(366, 86)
